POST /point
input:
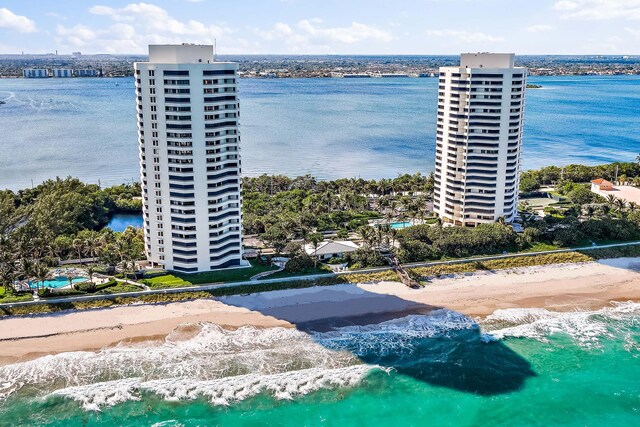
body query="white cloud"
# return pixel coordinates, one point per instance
(565, 5)
(55, 15)
(11, 21)
(310, 36)
(633, 31)
(539, 28)
(466, 36)
(136, 26)
(599, 9)
(354, 33)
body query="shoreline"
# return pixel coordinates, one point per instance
(560, 287)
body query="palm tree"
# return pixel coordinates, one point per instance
(90, 272)
(590, 210)
(127, 266)
(315, 239)
(7, 271)
(41, 272)
(378, 235)
(394, 233)
(366, 232)
(78, 245)
(620, 205)
(26, 268)
(92, 242)
(632, 206)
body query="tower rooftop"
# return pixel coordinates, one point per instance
(180, 53)
(487, 60)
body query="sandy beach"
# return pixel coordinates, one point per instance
(557, 287)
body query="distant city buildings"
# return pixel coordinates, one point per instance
(189, 158)
(478, 139)
(35, 73)
(62, 72)
(87, 73)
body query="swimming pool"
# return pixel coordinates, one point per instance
(56, 282)
(400, 224)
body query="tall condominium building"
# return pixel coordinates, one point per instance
(479, 139)
(189, 158)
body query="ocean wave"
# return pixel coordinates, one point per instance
(213, 353)
(395, 336)
(587, 328)
(226, 366)
(222, 391)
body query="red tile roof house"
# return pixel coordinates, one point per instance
(601, 184)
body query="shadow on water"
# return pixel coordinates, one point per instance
(430, 344)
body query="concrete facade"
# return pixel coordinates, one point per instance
(189, 159)
(479, 139)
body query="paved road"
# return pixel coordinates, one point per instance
(211, 286)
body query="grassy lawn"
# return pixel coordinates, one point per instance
(178, 280)
(538, 247)
(320, 269)
(9, 297)
(119, 288)
(165, 281)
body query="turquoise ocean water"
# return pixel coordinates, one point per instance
(524, 367)
(330, 128)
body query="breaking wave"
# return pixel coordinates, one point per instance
(226, 366)
(222, 391)
(215, 359)
(587, 328)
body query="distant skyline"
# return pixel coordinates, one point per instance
(440, 27)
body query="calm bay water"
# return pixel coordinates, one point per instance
(329, 128)
(518, 367)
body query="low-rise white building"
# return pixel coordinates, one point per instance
(331, 249)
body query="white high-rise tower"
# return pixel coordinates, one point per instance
(479, 139)
(189, 158)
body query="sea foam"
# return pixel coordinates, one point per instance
(222, 391)
(226, 366)
(585, 327)
(212, 354)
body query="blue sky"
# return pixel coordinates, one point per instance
(325, 27)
